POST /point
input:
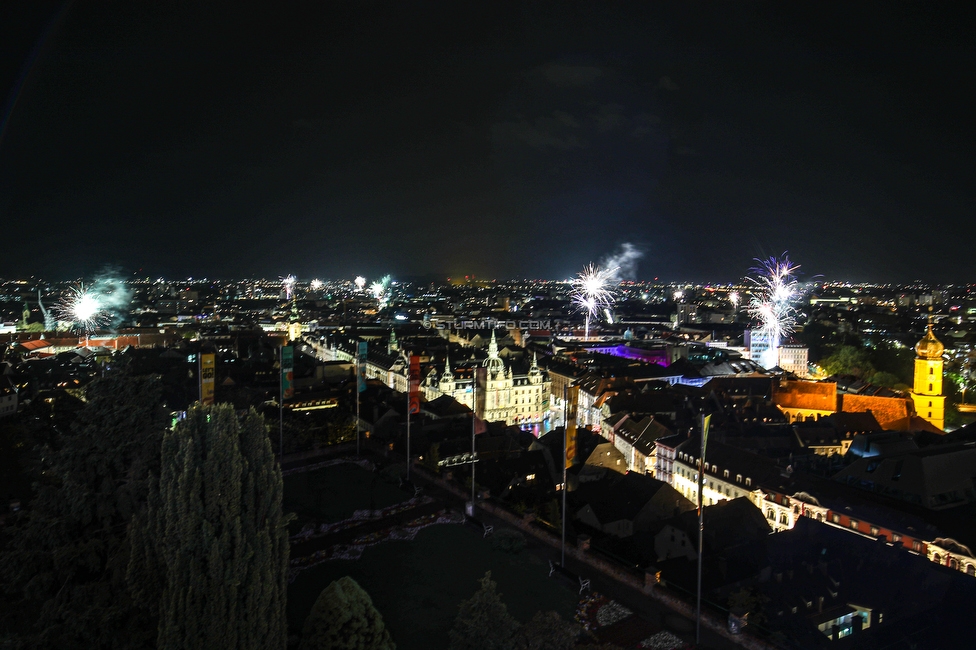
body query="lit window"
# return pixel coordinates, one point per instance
(854, 524)
(916, 546)
(895, 537)
(835, 518)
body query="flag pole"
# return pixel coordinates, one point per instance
(281, 404)
(358, 381)
(474, 427)
(701, 525)
(409, 388)
(562, 561)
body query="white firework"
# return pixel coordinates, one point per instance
(316, 284)
(83, 308)
(288, 283)
(590, 293)
(360, 283)
(772, 302)
(734, 299)
(380, 290)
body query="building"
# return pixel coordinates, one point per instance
(515, 399)
(927, 391)
(794, 358)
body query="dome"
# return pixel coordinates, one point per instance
(929, 347)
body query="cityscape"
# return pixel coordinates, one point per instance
(487, 326)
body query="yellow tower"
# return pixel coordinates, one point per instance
(927, 393)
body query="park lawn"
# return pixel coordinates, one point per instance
(333, 493)
(418, 585)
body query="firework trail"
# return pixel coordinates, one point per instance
(772, 302)
(623, 261)
(590, 293)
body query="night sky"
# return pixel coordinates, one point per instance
(498, 139)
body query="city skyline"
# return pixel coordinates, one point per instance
(493, 140)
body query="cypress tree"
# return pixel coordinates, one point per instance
(213, 548)
(344, 618)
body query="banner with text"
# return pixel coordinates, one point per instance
(414, 385)
(287, 372)
(572, 402)
(480, 398)
(361, 366)
(207, 377)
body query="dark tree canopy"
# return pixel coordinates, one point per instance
(344, 618)
(483, 621)
(212, 551)
(65, 562)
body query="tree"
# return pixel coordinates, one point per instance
(546, 631)
(211, 554)
(849, 360)
(483, 621)
(66, 558)
(344, 618)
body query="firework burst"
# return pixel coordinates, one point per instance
(772, 301)
(88, 308)
(590, 292)
(288, 284)
(380, 290)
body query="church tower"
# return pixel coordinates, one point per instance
(927, 392)
(294, 323)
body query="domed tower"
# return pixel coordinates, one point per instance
(927, 393)
(494, 363)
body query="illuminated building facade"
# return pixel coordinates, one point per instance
(927, 391)
(515, 399)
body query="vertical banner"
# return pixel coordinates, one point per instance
(480, 394)
(287, 372)
(207, 375)
(361, 366)
(571, 406)
(414, 384)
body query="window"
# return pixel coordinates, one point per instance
(725, 473)
(748, 481)
(916, 545)
(738, 478)
(771, 515)
(796, 510)
(895, 537)
(784, 519)
(930, 388)
(835, 518)
(854, 524)
(931, 371)
(875, 530)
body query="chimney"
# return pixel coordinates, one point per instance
(820, 604)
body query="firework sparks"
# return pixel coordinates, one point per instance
(316, 284)
(772, 302)
(288, 283)
(360, 283)
(590, 293)
(734, 299)
(95, 306)
(380, 290)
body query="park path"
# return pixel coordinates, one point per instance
(368, 526)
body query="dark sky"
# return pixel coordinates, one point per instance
(498, 139)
